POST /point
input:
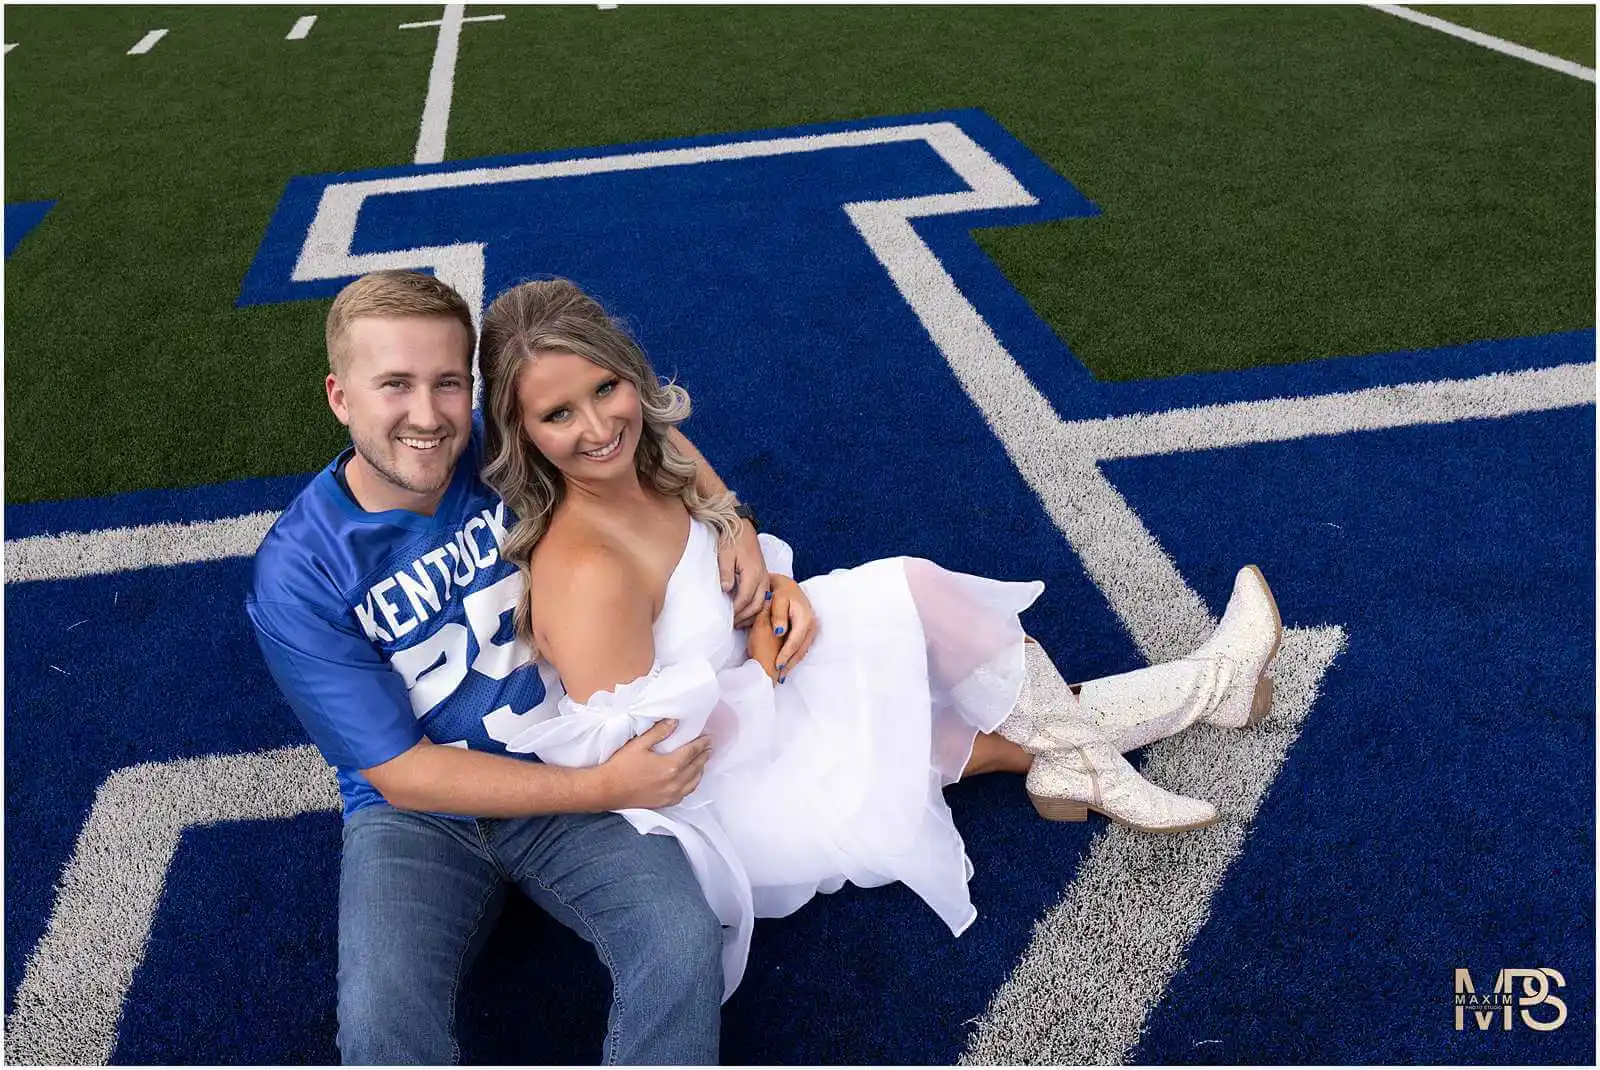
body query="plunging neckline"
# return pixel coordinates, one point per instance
(683, 557)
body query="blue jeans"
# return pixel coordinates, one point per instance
(418, 895)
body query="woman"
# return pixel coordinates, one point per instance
(824, 769)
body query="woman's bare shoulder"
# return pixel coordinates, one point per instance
(572, 551)
(591, 615)
(574, 564)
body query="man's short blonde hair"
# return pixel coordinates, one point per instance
(391, 293)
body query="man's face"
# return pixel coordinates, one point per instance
(406, 395)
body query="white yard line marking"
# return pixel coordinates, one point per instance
(442, 80)
(70, 998)
(99, 553)
(1498, 44)
(9, 47)
(1374, 408)
(441, 87)
(606, 7)
(436, 22)
(302, 28)
(147, 42)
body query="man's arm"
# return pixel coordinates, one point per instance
(355, 708)
(452, 780)
(742, 561)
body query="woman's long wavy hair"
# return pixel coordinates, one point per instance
(555, 316)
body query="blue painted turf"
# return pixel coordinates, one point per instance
(1435, 814)
(22, 218)
(1437, 811)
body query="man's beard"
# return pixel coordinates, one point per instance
(389, 475)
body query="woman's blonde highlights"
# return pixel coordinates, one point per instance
(555, 316)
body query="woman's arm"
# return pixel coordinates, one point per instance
(593, 621)
(594, 626)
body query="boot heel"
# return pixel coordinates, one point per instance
(1261, 704)
(1059, 809)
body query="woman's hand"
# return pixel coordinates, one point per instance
(762, 645)
(740, 562)
(793, 621)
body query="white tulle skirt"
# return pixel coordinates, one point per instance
(838, 773)
(910, 664)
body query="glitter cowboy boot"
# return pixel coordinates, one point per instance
(1244, 645)
(1082, 771)
(1224, 682)
(1132, 709)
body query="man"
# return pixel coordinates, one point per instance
(383, 606)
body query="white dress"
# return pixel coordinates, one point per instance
(835, 775)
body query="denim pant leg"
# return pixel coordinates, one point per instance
(417, 898)
(636, 900)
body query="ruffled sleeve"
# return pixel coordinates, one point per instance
(587, 733)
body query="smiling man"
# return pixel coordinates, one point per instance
(382, 605)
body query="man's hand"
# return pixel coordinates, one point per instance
(636, 776)
(741, 562)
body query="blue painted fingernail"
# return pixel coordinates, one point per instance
(778, 630)
(781, 666)
(769, 597)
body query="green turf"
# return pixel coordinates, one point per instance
(1565, 30)
(127, 365)
(1278, 184)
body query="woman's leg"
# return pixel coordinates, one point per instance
(994, 753)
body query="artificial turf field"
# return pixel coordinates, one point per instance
(1224, 208)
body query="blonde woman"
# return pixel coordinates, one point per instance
(827, 756)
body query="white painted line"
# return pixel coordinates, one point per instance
(436, 22)
(302, 28)
(1239, 423)
(326, 253)
(71, 994)
(99, 553)
(1510, 48)
(606, 7)
(441, 87)
(9, 47)
(1137, 901)
(147, 42)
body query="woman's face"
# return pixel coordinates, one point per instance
(584, 419)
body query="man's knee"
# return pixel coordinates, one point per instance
(383, 1020)
(693, 943)
(678, 949)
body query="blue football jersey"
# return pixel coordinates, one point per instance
(382, 628)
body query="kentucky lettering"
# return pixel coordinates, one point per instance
(396, 605)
